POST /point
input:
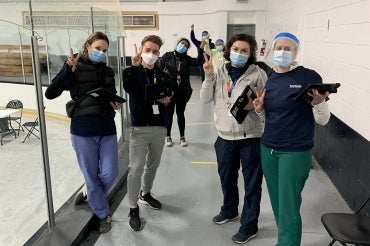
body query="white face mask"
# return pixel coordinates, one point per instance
(149, 58)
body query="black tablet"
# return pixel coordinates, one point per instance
(237, 109)
(322, 88)
(106, 95)
(157, 91)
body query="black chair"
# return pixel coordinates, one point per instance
(6, 128)
(348, 228)
(31, 126)
(16, 118)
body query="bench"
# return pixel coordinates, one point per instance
(11, 57)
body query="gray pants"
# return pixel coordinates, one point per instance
(146, 147)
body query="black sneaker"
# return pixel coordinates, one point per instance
(104, 225)
(240, 238)
(135, 222)
(219, 219)
(150, 201)
(81, 196)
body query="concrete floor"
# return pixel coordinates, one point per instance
(187, 184)
(22, 184)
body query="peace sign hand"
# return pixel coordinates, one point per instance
(136, 58)
(72, 61)
(208, 66)
(259, 101)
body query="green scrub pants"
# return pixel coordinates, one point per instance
(286, 174)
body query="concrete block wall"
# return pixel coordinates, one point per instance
(335, 41)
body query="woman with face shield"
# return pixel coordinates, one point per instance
(287, 141)
(237, 144)
(217, 53)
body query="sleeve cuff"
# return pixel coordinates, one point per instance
(320, 107)
(262, 113)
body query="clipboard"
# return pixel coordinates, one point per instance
(106, 95)
(322, 88)
(237, 109)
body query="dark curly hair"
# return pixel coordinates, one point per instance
(183, 39)
(251, 40)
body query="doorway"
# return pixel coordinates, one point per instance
(233, 29)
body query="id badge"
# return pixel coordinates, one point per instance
(155, 109)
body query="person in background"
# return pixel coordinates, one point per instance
(216, 54)
(149, 121)
(237, 144)
(287, 141)
(177, 63)
(93, 130)
(197, 44)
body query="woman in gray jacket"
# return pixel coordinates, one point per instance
(237, 143)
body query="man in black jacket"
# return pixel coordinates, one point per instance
(150, 92)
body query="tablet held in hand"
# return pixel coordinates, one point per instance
(322, 88)
(106, 95)
(237, 110)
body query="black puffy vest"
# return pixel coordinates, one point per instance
(87, 77)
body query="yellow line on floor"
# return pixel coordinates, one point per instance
(204, 162)
(201, 123)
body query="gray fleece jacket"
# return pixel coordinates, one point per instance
(214, 88)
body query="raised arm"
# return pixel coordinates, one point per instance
(131, 75)
(64, 78)
(208, 86)
(195, 41)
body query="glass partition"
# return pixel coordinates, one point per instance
(23, 199)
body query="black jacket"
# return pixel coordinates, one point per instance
(92, 116)
(135, 81)
(170, 61)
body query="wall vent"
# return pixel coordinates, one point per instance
(130, 20)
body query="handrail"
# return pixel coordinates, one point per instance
(363, 205)
(39, 37)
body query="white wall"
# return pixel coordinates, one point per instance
(27, 94)
(211, 15)
(335, 37)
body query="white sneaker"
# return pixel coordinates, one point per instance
(183, 142)
(168, 142)
(81, 196)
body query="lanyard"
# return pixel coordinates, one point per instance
(178, 63)
(230, 84)
(178, 68)
(147, 77)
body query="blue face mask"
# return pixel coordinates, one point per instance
(181, 48)
(237, 59)
(219, 48)
(282, 58)
(97, 56)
